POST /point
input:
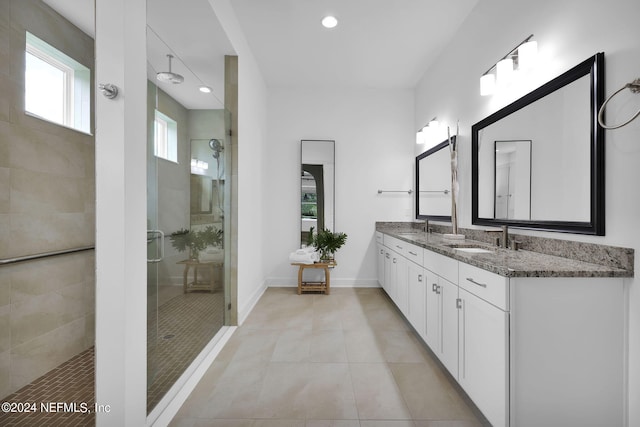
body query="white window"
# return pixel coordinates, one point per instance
(57, 88)
(166, 137)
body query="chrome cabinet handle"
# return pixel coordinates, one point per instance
(420, 278)
(399, 247)
(458, 303)
(433, 287)
(470, 279)
(413, 253)
(386, 256)
(161, 234)
(395, 260)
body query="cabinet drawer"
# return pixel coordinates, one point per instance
(491, 287)
(413, 253)
(394, 244)
(379, 237)
(441, 265)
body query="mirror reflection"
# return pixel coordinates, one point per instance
(433, 183)
(537, 163)
(317, 186)
(512, 179)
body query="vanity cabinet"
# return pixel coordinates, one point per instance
(483, 355)
(484, 340)
(449, 336)
(442, 321)
(380, 264)
(390, 272)
(417, 293)
(529, 351)
(397, 288)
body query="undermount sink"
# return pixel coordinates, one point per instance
(474, 250)
(408, 233)
(470, 248)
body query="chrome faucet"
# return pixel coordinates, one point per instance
(504, 240)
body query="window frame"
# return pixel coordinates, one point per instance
(165, 137)
(76, 96)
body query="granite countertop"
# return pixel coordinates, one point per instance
(506, 262)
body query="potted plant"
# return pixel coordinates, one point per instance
(327, 243)
(195, 241)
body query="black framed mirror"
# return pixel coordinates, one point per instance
(317, 186)
(566, 149)
(433, 183)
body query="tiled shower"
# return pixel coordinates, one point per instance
(47, 204)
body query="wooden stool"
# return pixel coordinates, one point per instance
(324, 286)
(197, 285)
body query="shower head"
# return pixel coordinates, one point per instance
(216, 146)
(168, 76)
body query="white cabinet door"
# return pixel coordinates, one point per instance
(402, 284)
(484, 335)
(449, 327)
(442, 320)
(390, 272)
(380, 263)
(433, 312)
(417, 299)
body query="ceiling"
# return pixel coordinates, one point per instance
(377, 43)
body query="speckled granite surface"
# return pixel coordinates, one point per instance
(539, 258)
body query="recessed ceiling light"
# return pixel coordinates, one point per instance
(205, 89)
(329, 21)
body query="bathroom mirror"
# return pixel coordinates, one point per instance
(557, 126)
(433, 183)
(512, 195)
(317, 186)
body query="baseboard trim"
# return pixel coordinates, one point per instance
(247, 308)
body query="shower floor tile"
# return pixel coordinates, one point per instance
(71, 383)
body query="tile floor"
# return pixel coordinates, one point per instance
(344, 360)
(72, 382)
(185, 325)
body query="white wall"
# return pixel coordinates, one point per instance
(373, 134)
(252, 136)
(567, 32)
(121, 294)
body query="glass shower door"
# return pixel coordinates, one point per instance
(188, 199)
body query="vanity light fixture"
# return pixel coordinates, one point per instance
(329, 21)
(522, 57)
(423, 134)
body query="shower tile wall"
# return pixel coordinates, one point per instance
(173, 200)
(47, 202)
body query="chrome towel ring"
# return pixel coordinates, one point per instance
(634, 87)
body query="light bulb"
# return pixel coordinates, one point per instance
(329, 21)
(504, 71)
(487, 84)
(527, 55)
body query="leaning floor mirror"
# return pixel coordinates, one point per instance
(317, 186)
